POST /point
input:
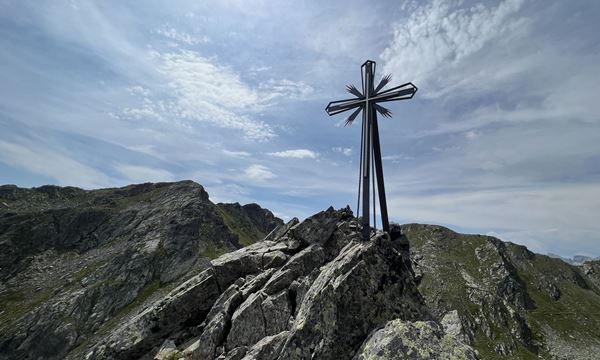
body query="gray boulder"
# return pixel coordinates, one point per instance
(418, 340)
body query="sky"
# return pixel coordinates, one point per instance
(502, 138)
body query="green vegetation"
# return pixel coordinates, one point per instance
(16, 304)
(127, 201)
(142, 295)
(575, 315)
(246, 235)
(213, 251)
(466, 272)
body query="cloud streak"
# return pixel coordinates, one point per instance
(296, 154)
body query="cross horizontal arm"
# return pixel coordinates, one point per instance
(336, 107)
(402, 92)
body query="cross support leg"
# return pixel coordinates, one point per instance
(365, 161)
(379, 173)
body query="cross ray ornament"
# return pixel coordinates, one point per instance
(368, 101)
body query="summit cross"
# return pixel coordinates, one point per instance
(368, 101)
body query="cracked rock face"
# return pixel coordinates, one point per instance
(311, 290)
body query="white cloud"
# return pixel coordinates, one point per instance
(272, 89)
(472, 134)
(258, 172)
(343, 150)
(43, 161)
(396, 158)
(180, 36)
(203, 91)
(239, 154)
(147, 111)
(148, 150)
(257, 69)
(138, 90)
(137, 173)
(435, 38)
(297, 154)
(198, 80)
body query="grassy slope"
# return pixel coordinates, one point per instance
(454, 268)
(240, 226)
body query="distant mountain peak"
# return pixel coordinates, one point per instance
(575, 260)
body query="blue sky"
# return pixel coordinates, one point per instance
(502, 138)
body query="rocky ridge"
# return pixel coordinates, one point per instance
(155, 271)
(309, 290)
(74, 263)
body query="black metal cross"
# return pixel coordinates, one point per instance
(368, 101)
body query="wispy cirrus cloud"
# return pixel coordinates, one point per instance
(207, 92)
(296, 154)
(342, 150)
(180, 36)
(273, 89)
(238, 154)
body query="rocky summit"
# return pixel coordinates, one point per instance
(158, 271)
(310, 290)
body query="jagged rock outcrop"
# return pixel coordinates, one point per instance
(313, 290)
(73, 263)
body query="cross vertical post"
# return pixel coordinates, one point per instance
(367, 102)
(367, 71)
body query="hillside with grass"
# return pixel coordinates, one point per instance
(507, 301)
